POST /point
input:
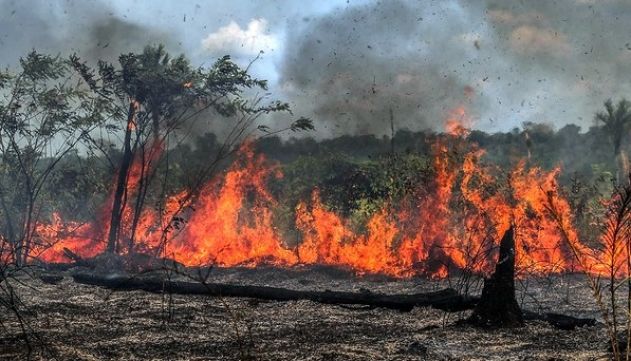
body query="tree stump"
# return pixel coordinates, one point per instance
(498, 306)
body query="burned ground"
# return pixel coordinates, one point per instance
(78, 322)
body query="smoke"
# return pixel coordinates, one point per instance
(354, 66)
(568, 55)
(89, 28)
(506, 62)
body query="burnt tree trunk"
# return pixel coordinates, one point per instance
(118, 203)
(498, 306)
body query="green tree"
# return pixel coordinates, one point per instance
(43, 115)
(153, 96)
(616, 120)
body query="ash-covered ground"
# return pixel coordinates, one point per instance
(70, 321)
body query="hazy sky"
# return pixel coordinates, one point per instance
(347, 63)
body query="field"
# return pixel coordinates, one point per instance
(78, 322)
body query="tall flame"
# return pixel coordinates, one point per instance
(455, 225)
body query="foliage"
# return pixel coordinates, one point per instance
(43, 115)
(156, 95)
(616, 120)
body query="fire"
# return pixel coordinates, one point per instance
(329, 240)
(229, 229)
(456, 223)
(458, 122)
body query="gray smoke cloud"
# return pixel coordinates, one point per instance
(355, 65)
(507, 62)
(567, 56)
(88, 28)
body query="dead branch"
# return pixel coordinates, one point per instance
(447, 299)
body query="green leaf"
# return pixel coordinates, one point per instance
(303, 124)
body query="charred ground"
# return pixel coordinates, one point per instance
(78, 322)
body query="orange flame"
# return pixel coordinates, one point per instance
(458, 122)
(456, 224)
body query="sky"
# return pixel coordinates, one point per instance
(349, 64)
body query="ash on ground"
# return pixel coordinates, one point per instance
(70, 321)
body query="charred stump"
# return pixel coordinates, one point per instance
(498, 306)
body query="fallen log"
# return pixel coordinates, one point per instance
(447, 299)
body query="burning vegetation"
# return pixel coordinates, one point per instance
(454, 222)
(104, 178)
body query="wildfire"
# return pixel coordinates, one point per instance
(455, 225)
(458, 122)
